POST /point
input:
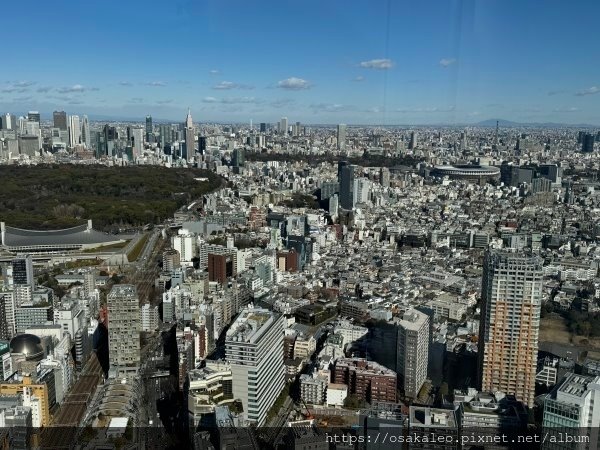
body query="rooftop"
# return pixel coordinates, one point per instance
(76, 236)
(250, 325)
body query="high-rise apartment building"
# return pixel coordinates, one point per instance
(254, 347)
(60, 120)
(123, 330)
(341, 136)
(511, 294)
(413, 351)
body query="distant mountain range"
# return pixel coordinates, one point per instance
(509, 124)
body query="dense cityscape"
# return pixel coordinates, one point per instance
(439, 279)
(300, 226)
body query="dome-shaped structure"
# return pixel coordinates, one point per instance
(29, 345)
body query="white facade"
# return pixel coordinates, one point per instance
(186, 247)
(254, 347)
(74, 131)
(336, 394)
(413, 351)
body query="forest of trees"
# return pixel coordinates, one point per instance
(60, 196)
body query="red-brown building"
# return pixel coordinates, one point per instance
(367, 380)
(220, 267)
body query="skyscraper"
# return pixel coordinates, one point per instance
(413, 140)
(74, 131)
(283, 126)
(254, 347)
(587, 143)
(137, 140)
(511, 294)
(60, 120)
(34, 116)
(341, 136)
(263, 127)
(149, 129)
(86, 137)
(413, 351)
(239, 157)
(189, 123)
(347, 186)
(123, 330)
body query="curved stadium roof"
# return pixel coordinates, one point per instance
(70, 237)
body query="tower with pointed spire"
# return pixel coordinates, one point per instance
(189, 123)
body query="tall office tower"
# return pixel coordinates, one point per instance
(298, 129)
(511, 295)
(189, 123)
(34, 116)
(74, 131)
(573, 409)
(263, 127)
(190, 138)
(587, 143)
(202, 145)
(22, 271)
(341, 165)
(165, 135)
(347, 186)
(254, 347)
(123, 330)
(7, 122)
(137, 138)
(283, 126)
(384, 177)
(496, 135)
(413, 351)
(341, 136)
(149, 129)
(413, 140)
(86, 137)
(60, 120)
(239, 157)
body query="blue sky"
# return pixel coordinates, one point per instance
(324, 61)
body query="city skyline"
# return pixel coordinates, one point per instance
(378, 67)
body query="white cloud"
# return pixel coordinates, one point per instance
(379, 64)
(589, 91)
(214, 72)
(225, 85)
(230, 100)
(157, 83)
(328, 107)
(76, 88)
(294, 84)
(445, 62)
(434, 109)
(359, 78)
(125, 83)
(566, 109)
